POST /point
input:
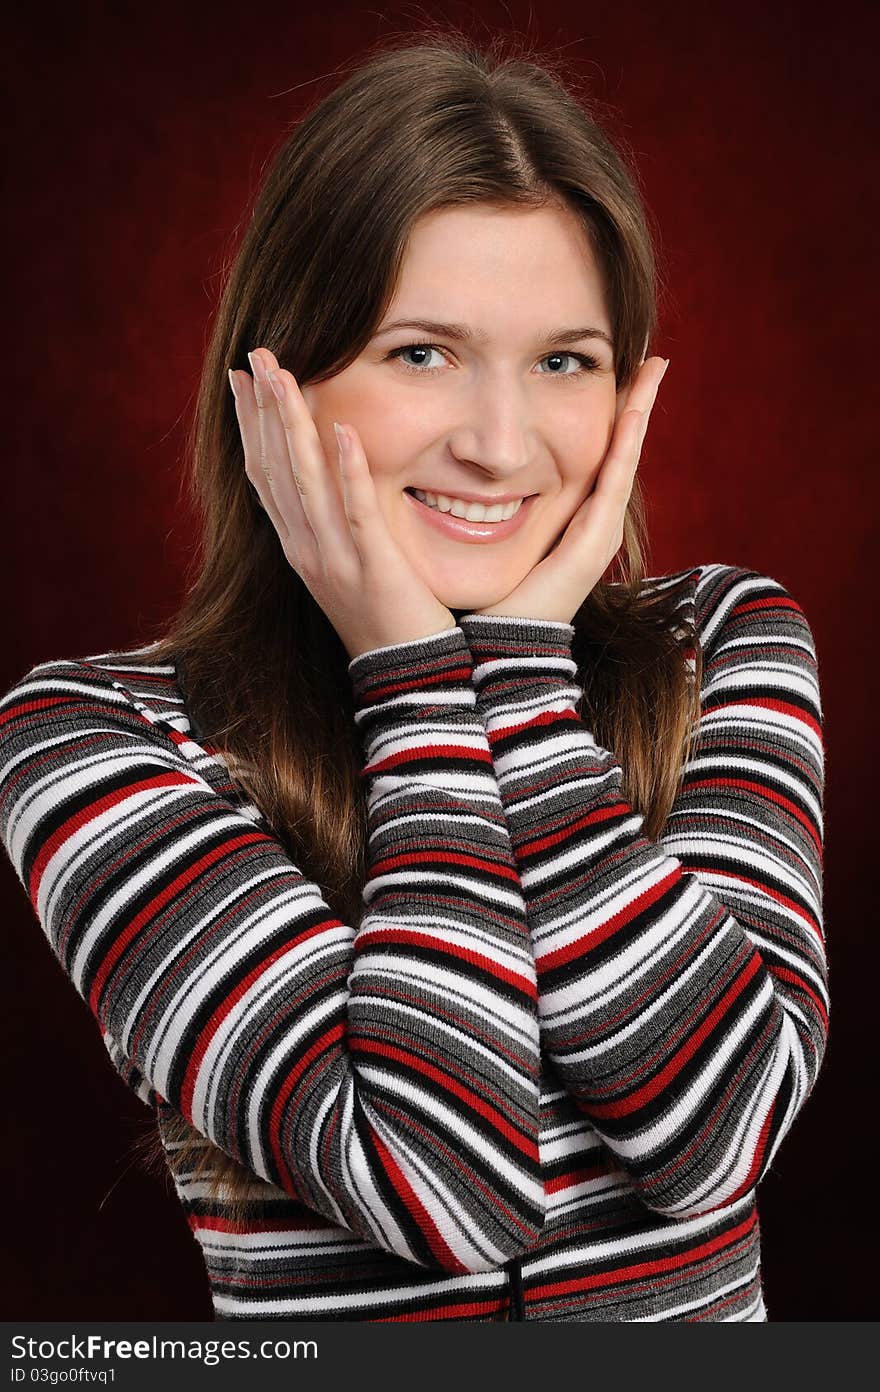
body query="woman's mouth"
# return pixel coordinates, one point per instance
(460, 529)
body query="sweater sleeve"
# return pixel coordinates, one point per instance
(386, 1074)
(682, 982)
(129, 1072)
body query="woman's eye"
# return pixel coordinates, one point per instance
(421, 348)
(586, 363)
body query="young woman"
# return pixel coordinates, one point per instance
(454, 908)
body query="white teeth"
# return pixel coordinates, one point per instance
(472, 512)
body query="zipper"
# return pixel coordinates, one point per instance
(517, 1308)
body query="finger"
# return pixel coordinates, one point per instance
(598, 522)
(615, 479)
(660, 365)
(638, 404)
(361, 505)
(596, 529)
(275, 458)
(247, 415)
(643, 390)
(318, 494)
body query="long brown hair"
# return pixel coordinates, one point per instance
(421, 124)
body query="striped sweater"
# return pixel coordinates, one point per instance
(543, 1075)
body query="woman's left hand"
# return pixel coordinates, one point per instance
(557, 586)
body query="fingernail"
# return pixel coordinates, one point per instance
(276, 384)
(232, 384)
(663, 373)
(341, 435)
(256, 366)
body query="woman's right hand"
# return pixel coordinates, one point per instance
(334, 536)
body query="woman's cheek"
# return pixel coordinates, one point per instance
(594, 454)
(584, 478)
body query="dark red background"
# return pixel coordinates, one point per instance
(136, 139)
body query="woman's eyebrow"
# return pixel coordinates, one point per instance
(463, 333)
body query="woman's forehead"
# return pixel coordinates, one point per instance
(483, 271)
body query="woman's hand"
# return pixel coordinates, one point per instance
(557, 586)
(333, 533)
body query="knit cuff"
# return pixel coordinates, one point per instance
(505, 636)
(403, 685)
(511, 653)
(415, 708)
(439, 664)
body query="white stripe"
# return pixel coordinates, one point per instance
(452, 1123)
(476, 1285)
(633, 1242)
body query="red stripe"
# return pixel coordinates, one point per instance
(582, 945)
(565, 716)
(307, 1222)
(228, 1002)
(757, 1164)
(638, 1270)
(470, 1309)
(120, 943)
(602, 813)
(328, 1040)
(649, 1091)
(648, 1061)
(443, 858)
(784, 974)
(96, 809)
(765, 792)
(430, 751)
(439, 1248)
(566, 1181)
(774, 703)
(769, 602)
(367, 937)
(739, 878)
(27, 707)
(428, 1070)
(417, 682)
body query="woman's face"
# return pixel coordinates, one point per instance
(506, 412)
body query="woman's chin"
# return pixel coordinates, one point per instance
(482, 601)
(462, 594)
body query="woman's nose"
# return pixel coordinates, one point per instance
(495, 444)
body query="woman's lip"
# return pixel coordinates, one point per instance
(459, 529)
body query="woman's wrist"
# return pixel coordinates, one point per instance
(512, 656)
(438, 666)
(404, 643)
(512, 627)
